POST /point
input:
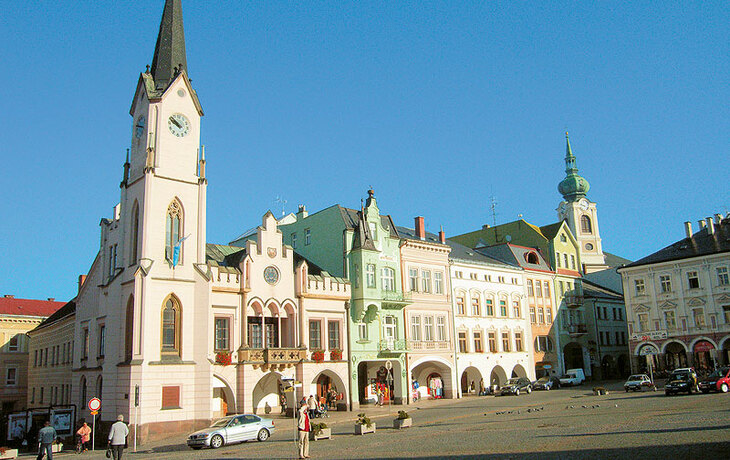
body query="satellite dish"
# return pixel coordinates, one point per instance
(508, 238)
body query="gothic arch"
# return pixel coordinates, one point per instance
(171, 326)
(174, 227)
(129, 329)
(586, 226)
(134, 236)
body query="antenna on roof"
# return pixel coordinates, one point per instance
(493, 207)
(282, 201)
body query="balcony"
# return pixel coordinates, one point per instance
(392, 346)
(271, 358)
(577, 330)
(396, 299)
(574, 300)
(420, 345)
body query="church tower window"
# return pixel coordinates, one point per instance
(135, 234)
(585, 225)
(171, 327)
(128, 329)
(173, 229)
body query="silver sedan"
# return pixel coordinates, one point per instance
(231, 429)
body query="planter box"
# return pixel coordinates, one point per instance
(326, 433)
(364, 429)
(402, 423)
(57, 447)
(10, 453)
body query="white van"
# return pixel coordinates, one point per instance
(573, 377)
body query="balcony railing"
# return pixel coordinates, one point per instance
(282, 357)
(392, 345)
(396, 298)
(573, 300)
(577, 329)
(418, 345)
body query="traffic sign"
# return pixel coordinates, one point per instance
(94, 412)
(94, 404)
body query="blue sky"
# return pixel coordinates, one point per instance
(437, 105)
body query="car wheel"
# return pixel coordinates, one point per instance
(724, 388)
(216, 441)
(666, 393)
(196, 447)
(627, 389)
(517, 392)
(706, 391)
(263, 435)
(547, 388)
(528, 390)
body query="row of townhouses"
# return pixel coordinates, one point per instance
(172, 331)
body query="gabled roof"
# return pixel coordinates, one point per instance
(699, 244)
(613, 261)
(351, 218)
(551, 231)
(64, 312)
(28, 307)
(466, 254)
(410, 234)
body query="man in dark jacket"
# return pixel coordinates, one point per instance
(46, 436)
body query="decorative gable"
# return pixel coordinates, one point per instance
(667, 305)
(696, 302)
(641, 308)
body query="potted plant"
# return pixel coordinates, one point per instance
(8, 453)
(403, 420)
(223, 357)
(335, 355)
(364, 425)
(320, 431)
(318, 356)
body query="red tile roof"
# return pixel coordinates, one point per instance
(28, 307)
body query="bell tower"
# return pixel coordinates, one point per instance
(581, 214)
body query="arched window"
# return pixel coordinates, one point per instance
(129, 329)
(532, 258)
(82, 392)
(585, 224)
(171, 327)
(173, 229)
(134, 243)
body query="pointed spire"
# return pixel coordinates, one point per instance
(573, 187)
(570, 165)
(170, 58)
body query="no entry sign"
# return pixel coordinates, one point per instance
(94, 404)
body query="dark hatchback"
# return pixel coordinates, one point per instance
(515, 386)
(546, 383)
(680, 381)
(719, 380)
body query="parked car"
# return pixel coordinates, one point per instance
(681, 380)
(515, 385)
(231, 429)
(573, 377)
(719, 380)
(546, 383)
(638, 382)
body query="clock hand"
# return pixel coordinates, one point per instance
(175, 122)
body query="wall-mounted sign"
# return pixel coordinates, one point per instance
(648, 335)
(648, 349)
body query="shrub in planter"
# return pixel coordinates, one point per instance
(335, 355)
(320, 431)
(363, 424)
(318, 356)
(403, 420)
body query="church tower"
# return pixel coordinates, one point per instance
(581, 214)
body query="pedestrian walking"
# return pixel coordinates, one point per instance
(312, 406)
(85, 433)
(304, 427)
(118, 437)
(46, 436)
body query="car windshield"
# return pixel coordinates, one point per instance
(568, 376)
(719, 373)
(222, 422)
(679, 376)
(513, 381)
(543, 380)
(636, 377)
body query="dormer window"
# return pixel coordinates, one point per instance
(373, 231)
(531, 258)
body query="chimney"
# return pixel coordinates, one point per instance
(702, 223)
(51, 299)
(688, 229)
(718, 218)
(9, 296)
(420, 227)
(442, 235)
(302, 212)
(82, 278)
(710, 226)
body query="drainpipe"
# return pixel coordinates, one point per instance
(349, 352)
(598, 341)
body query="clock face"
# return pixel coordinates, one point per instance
(589, 247)
(271, 275)
(139, 127)
(584, 205)
(178, 124)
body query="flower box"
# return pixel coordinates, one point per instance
(401, 423)
(58, 447)
(223, 357)
(9, 453)
(364, 429)
(336, 355)
(324, 433)
(318, 356)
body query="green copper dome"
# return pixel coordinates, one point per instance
(573, 187)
